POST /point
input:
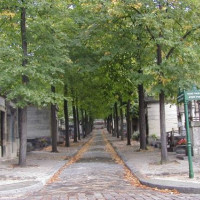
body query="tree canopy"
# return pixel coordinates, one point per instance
(99, 49)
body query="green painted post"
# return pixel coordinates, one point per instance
(189, 147)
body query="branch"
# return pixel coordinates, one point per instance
(183, 38)
(149, 31)
(2, 23)
(136, 10)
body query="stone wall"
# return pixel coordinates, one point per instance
(195, 137)
(153, 115)
(9, 146)
(2, 104)
(38, 122)
(12, 141)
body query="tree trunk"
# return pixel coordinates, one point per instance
(54, 130)
(107, 124)
(121, 120)
(22, 113)
(128, 123)
(113, 124)
(91, 124)
(147, 130)
(109, 121)
(78, 127)
(164, 156)
(86, 123)
(75, 121)
(110, 124)
(67, 141)
(116, 120)
(142, 119)
(83, 123)
(25, 79)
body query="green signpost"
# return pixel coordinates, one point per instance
(185, 97)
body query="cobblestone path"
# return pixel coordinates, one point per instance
(96, 175)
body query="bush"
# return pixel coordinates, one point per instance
(136, 136)
(154, 136)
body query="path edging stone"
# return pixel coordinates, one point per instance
(39, 183)
(183, 187)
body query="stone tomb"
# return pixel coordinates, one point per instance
(195, 136)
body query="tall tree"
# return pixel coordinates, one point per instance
(142, 117)
(86, 124)
(116, 119)
(164, 31)
(66, 114)
(54, 130)
(121, 119)
(83, 122)
(23, 111)
(78, 127)
(128, 121)
(75, 120)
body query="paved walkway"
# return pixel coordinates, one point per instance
(97, 172)
(41, 166)
(146, 166)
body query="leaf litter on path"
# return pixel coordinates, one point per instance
(128, 175)
(74, 159)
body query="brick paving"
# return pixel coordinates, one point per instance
(97, 176)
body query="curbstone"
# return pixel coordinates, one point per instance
(28, 187)
(180, 186)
